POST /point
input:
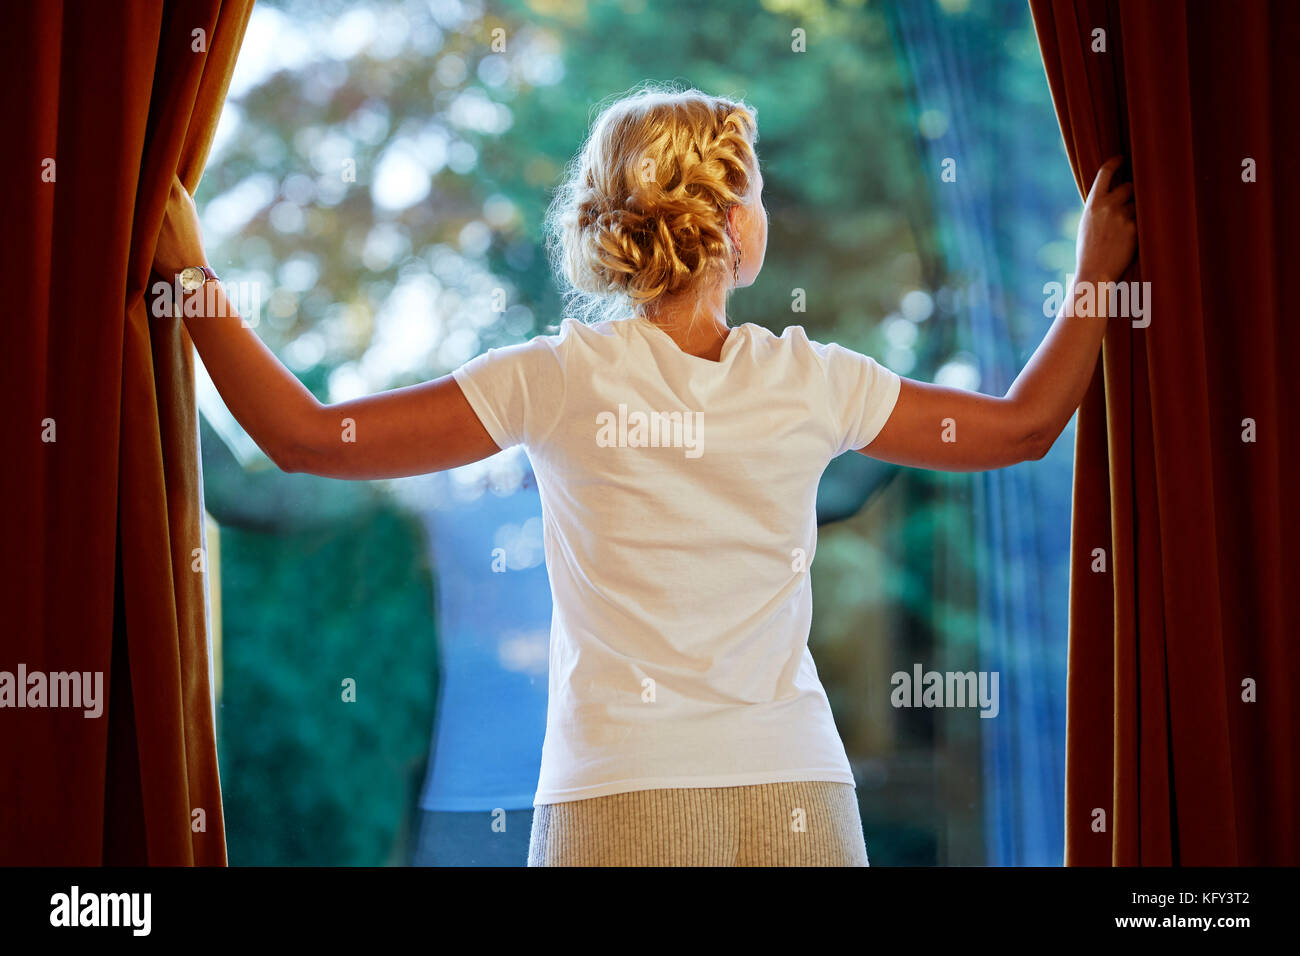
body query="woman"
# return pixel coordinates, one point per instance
(678, 459)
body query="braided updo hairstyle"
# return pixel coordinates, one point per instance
(642, 211)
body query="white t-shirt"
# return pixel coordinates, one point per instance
(679, 513)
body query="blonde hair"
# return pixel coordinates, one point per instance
(642, 211)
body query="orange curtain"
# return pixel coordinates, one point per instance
(1182, 731)
(103, 509)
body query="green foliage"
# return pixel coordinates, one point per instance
(309, 779)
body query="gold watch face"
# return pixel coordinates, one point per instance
(191, 278)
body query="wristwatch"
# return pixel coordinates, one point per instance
(192, 277)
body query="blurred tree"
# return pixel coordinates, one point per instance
(309, 778)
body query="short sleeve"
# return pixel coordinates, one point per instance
(862, 395)
(516, 390)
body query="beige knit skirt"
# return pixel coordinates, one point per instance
(807, 823)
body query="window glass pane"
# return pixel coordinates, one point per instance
(377, 187)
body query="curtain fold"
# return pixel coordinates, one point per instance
(1182, 730)
(102, 569)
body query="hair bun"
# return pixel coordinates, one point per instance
(620, 238)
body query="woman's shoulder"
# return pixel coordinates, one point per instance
(570, 328)
(792, 338)
(795, 348)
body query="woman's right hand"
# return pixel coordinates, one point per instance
(1108, 230)
(180, 244)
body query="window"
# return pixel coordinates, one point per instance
(377, 187)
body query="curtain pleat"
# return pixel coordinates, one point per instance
(104, 577)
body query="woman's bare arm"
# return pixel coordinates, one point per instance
(950, 429)
(406, 431)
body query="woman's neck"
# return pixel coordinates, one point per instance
(696, 322)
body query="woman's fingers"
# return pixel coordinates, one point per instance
(1121, 194)
(1101, 184)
